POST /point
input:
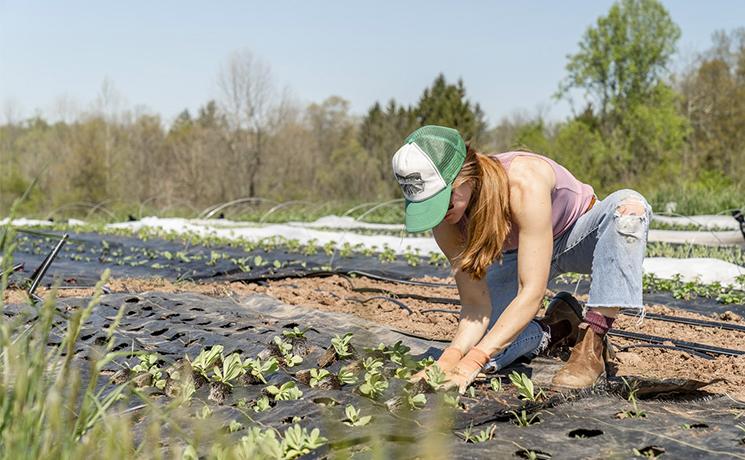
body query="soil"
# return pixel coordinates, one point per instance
(336, 294)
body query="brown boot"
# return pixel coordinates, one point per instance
(563, 307)
(586, 365)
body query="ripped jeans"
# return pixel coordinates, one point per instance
(608, 242)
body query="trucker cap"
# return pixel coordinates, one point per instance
(425, 168)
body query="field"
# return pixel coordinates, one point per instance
(197, 346)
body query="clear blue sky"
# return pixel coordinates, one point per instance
(165, 55)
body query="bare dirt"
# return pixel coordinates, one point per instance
(337, 294)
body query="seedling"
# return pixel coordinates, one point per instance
(346, 377)
(234, 426)
(295, 333)
(522, 418)
(262, 404)
(204, 362)
(496, 384)
(285, 349)
(342, 346)
(317, 375)
(372, 365)
(258, 370)
(353, 417)
(223, 377)
(435, 376)
(415, 401)
(481, 436)
(149, 365)
(635, 412)
(288, 391)
(374, 386)
(298, 442)
(525, 387)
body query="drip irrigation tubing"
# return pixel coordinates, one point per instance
(665, 347)
(348, 274)
(699, 347)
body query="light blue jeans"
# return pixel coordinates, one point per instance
(603, 243)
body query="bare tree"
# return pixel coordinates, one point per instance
(249, 100)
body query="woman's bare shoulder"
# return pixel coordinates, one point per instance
(527, 171)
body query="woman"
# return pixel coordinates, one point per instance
(508, 223)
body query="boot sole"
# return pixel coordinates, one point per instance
(600, 378)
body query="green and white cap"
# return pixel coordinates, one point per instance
(426, 167)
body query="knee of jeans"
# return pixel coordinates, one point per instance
(631, 215)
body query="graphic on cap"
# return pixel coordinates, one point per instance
(412, 184)
(425, 168)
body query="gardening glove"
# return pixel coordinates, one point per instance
(467, 370)
(447, 361)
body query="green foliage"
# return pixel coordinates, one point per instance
(206, 359)
(525, 387)
(374, 386)
(446, 104)
(435, 376)
(342, 345)
(317, 375)
(353, 417)
(346, 377)
(285, 392)
(260, 369)
(469, 435)
(231, 369)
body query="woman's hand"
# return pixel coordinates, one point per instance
(447, 361)
(468, 368)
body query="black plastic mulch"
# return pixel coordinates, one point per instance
(681, 420)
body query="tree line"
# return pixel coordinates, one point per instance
(673, 136)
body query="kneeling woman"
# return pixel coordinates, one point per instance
(508, 223)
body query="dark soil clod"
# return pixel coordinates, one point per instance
(218, 392)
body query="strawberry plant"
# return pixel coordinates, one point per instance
(346, 377)
(525, 387)
(317, 375)
(435, 376)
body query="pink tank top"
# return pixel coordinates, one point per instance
(569, 198)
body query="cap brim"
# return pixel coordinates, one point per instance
(424, 215)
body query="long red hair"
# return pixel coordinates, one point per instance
(488, 211)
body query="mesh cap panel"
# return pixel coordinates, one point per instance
(444, 146)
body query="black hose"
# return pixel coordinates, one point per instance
(666, 347)
(699, 347)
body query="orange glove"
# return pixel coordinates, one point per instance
(467, 369)
(449, 358)
(447, 361)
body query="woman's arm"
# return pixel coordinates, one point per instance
(474, 294)
(530, 201)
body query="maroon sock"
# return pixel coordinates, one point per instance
(599, 323)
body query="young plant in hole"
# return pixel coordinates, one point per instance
(148, 366)
(285, 349)
(262, 404)
(346, 377)
(372, 364)
(496, 384)
(295, 333)
(298, 442)
(435, 376)
(328, 248)
(203, 363)
(342, 345)
(635, 412)
(481, 436)
(415, 401)
(288, 391)
(525, 387)
(258, 370)
(374, 386)
(522, 418)
(353, 417)
(317, 375)
(222, 379)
